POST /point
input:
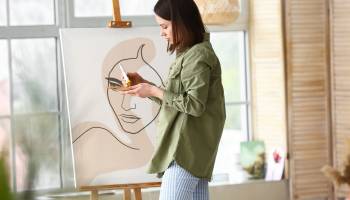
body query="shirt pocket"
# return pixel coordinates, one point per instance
(174, 80)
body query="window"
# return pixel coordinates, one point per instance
(31, 12)
(34, 75)
(5, 130)
(32, 118)
(95, 8)
(3, 16)
(5, 125)
(230, 49)
(33, 111)
(35, 118)
(4, 70)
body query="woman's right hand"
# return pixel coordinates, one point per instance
(135, 78)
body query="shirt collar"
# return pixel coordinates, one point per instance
(205, 39)
(206, 36)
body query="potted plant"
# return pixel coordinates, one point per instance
(338, 177)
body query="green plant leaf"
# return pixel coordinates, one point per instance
(5, 193)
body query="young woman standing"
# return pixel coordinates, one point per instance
(192, 113)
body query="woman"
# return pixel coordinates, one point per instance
(192, 112)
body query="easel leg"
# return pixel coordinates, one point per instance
(127, 194)
(137, 192)
(94, 195)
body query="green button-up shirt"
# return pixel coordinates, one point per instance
(192, 113)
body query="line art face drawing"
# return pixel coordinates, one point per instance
(126, 112)
(99, 148)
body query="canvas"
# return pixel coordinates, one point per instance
(252, 158)
(113, 135)
(275, 164)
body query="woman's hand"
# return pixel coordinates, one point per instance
(144, 90)
(135, 78)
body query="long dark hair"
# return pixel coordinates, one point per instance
(187, 25)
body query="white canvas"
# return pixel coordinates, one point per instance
(275, 164)
(113, 135)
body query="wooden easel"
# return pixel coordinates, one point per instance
(126, 187)
(117, 20)
(117, 23)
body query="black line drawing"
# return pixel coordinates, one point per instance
(126, 118)
(139, 53)
(109, 133)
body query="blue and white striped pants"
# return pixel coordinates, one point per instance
(179, 184)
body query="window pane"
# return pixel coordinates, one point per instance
(236, 117)
(137, 7)
(34, 75)
(227, 167)
(37, 151)
(94, 8)
(3, 14)
(5, 150)
(31, 12)
(229, 47)
(4, 79)
(91, 8)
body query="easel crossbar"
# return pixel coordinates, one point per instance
(126, 187)
(120, 186)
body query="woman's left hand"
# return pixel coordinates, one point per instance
(142, 90)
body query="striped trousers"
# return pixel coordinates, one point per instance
(179, 184)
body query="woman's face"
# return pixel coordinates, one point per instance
(133, 114)
(166, 30)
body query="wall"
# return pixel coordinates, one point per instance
(268, 73)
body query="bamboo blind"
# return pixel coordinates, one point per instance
(307, 51)
(340, 45)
